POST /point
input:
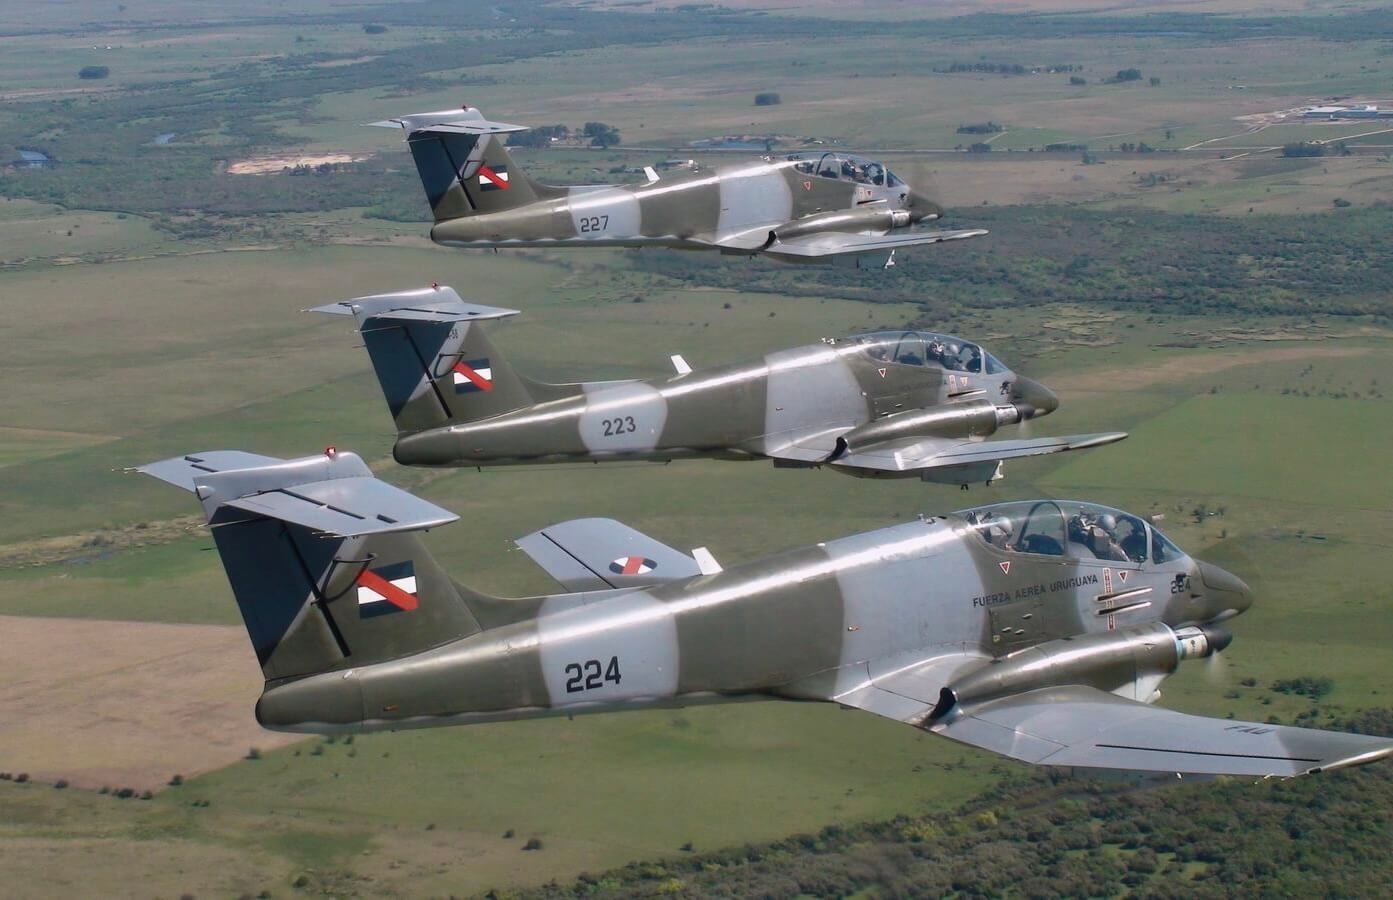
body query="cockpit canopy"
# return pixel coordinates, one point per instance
(929, 348)
(1070, 528)
(845, 167)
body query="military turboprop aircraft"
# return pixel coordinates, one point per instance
(805, 208)
(1038, 630)
(902, 403)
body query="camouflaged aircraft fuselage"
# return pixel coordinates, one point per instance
(739, 411)
(688, 209)
(809, 207)
(885, 404)
(813, 623)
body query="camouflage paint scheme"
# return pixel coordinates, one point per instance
(807, 207)
(1039, 630)
(887, 404)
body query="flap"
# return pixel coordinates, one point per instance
(596, 554)
(1082, 726)
(909, 693)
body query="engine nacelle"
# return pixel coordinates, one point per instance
(869, 219)
(1105, 660)
(974, 418)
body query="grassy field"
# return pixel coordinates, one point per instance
(135, 337)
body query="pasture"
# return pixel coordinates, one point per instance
(132, 337)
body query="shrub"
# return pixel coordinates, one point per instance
(92, 73)
(532, 844)
(176, 781)
(767, 99)
(60, 784)
(254, 753)
(1077, 80)
(374, 28)
(21, 777)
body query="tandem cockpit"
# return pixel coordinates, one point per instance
(1083, 531)
(928, 348)
(845, 167)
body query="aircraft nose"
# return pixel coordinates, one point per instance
(1225, 594)
(1040, 399)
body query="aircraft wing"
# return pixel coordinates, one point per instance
(838, 243)
(1081, 726)
(913, 454)
(601, 554)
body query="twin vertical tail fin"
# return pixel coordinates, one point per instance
(463, 163)
(324, 560)
(433, 361)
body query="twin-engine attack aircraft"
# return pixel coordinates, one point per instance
(806, 208)
(903, 403)
(1039, 630)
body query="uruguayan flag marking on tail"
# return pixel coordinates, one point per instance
(472, 375)
(493, 178)
(387, 589)
(632, 565)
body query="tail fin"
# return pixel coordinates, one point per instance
(463, 164)
(324, 560)
(432, 359)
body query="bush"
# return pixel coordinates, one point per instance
(1341, 203)
(21, 778)
(92, 73)
(374, 28)
(1128, 75)
(176, 781)
(767, 99)
(1077, 80)
(253, 753)
(532, 844)
(60, 784)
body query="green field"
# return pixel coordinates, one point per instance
(133, 332)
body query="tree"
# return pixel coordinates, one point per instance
(1127, 75)
(1155, 82)
(1302, 149)
(1077, 80)
(601, 135)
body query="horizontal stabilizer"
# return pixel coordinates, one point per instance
(429, 304)
(464, 120)
(1082, 726)
(598, 554)
(333, 493)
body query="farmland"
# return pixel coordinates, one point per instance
(1227, 312)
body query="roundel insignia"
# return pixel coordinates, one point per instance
(632, 565)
